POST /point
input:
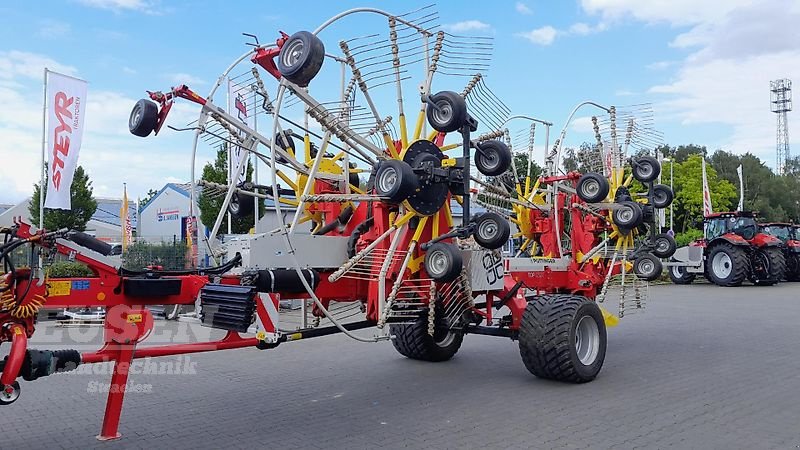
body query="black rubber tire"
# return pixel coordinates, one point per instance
(777, 265)
(629, 217)
(144, 118)
(492, 158)
(547, 337)
(443, 262)
(739, 264)
(452, 112)
(592, 188)
(664, 245)
(413, 341)
(90, 242)
(241, 205)
(793, 267)
(645, 168)
(647, 267)
(301, 58)
(491, 230)
(395, 180)
(7, 399)
(662, 196)
(679, 275)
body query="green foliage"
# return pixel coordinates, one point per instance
(169, 255)
(521, 163)
(688, 185)
(82, 201)
(69, 269)
(210, 206)
(149, 196)
(684, 239)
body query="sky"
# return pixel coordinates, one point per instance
(704, 65)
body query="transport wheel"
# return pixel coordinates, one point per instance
(769, 266)
(144, 118)
(491, 230)
(726, 265)
(679, 275)
(563, 337)
(241, 205)
(449, 113)
(793, 267)
(664, 245)
(645, 168)
(629, 216)
(662, 196)
(301, 57)
(395, 181)
(647, 267)
(10, 393)
(592, 188)
(492, 158)
(443, 262)
(413, 341)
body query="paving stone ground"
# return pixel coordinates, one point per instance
(703, 367)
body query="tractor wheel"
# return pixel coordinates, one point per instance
(793, 267)
(563, 337)
(771, 264)
(491, 230)
(241, 205)
(395, 181)
(628, 216)
(9, 393)
(726, 265)
(647, 267)
(664, 245)
(679, 275)
(301, 57)
(662, 196)
(448, 112)
(592, 188)
(443, 262)
(413, 341)
(493, 158)
(144, 118)
(645, 169)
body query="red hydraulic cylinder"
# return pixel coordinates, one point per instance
(19, 343)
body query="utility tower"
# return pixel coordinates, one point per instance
(780, 104)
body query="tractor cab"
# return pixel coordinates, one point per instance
(786, 232)
(741, 223)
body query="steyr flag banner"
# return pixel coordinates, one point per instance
(124, 214)
(66, 104)
(741, 188)
(707, 208)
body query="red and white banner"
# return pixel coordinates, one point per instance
(238, 98)
(707, 208)
(66, 104)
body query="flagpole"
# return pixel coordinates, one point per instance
(44, 138)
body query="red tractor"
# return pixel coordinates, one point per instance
(789, 235)
(732, 250)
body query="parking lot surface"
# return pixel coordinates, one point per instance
(702, 367)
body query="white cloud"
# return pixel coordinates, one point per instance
(184, 78)
(53, 29)
(675, 12)
(725, 81)
(582, 125)
(109, 153)
(120, 5)
(522, 8)
(624, 93)
(467, 25)
(583, 29)
(540, 36)
(661, 65)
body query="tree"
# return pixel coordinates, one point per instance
(210, 206)
(682, 152)
(688, 183)
(82, 201)
(147, 197)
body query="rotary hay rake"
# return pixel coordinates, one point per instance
(396, 258)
